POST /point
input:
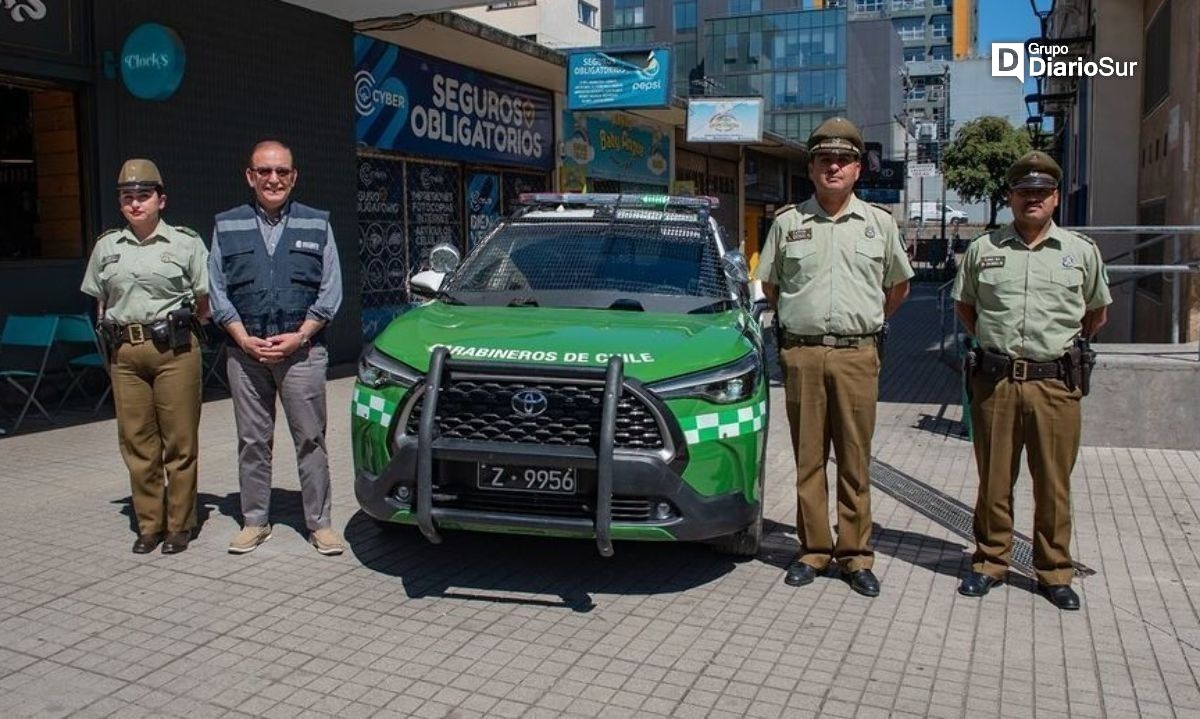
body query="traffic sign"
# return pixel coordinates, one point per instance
(922, 169)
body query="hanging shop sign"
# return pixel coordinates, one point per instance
(725, 119)
(409, 102)
(152, 62)
(618, 79)
(615, 146)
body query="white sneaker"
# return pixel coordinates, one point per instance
(249, 538)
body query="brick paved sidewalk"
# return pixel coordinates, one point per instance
(489, 625)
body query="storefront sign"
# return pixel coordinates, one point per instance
(615, 146)
(483, 205)
(38, 26)
(729, 119)
(152, 62)
(410, 102)
(382, 249)
(434, 210)
(608, 80)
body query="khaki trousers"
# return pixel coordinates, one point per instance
(830, 397)
(157, 397)
(1042, 416)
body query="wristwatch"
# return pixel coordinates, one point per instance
(303, 339)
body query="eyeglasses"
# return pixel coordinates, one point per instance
(263, 173)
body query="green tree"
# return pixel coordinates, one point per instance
(975, 163)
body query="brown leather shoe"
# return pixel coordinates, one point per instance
(176, 542)
(146, 543)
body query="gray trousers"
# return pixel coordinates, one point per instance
(299, 381)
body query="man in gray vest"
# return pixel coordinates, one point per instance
(275, 284)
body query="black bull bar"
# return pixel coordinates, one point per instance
(441, 366)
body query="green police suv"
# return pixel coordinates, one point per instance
(593, 368)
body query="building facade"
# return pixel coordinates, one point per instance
(553, 23)
(1129, 150)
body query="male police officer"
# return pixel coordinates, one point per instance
(275, 285)
(1027, 293)
(833, 268)
(151, 281)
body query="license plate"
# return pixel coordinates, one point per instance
(528, 479)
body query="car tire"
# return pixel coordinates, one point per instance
(746, 542)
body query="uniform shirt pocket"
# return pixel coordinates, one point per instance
(799, 261)
(1067, 283)
(1000, 287)
(868, 259)
(170, 276)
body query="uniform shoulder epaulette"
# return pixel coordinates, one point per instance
(886, 210)
(187, 231)
(1081, 236)
(106, 233)
(785, 208)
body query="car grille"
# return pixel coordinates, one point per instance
(482, 410)
(624, 509)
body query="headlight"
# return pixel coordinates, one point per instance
(734, 382)
(376, 369)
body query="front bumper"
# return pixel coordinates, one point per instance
(430, 480)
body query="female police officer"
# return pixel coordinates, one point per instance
(151, 280)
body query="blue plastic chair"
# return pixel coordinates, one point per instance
(78, 330)
(28, 332)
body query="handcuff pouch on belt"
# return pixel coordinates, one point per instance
(179, 328)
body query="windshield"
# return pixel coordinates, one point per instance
(607, 265)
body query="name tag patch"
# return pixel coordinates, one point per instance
(301, 244)
(992, 261)
(797, 235)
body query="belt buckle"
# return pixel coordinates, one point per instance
(828, 341)
(1020, 370)
(136, 334)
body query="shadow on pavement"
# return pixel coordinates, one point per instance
(287, 509)
(502, 568)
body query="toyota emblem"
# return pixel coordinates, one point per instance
(529, 403)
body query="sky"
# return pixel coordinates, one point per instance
(1006, 21)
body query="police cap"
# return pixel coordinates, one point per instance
(139, 174)
(837, 134)
(1035, 169)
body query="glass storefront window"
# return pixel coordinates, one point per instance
(40, 194)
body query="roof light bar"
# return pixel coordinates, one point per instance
(613, 199)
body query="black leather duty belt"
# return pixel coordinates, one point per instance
(792, 340)
(996, 364)
(136, 333)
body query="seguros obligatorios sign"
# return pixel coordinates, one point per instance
(406, 101)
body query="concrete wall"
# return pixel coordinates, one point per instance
(1144, 396)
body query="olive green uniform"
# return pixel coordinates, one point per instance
(1030, 305)
(156, 390)
(831, 274)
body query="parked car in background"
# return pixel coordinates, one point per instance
(931, 213)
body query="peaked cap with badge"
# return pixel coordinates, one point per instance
(837, 134)
(1034, 169)
(139, 174)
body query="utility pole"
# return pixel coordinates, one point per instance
(943, 133)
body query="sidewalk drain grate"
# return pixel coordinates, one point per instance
(949, 512)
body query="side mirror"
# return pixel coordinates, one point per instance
(444, 258)
(736, 268)
(425, 285)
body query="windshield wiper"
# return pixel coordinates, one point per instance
(712, 307)
(523, 302)
(627, 304)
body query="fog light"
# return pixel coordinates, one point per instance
(662, 510)
(403, 493)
